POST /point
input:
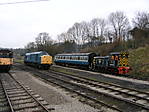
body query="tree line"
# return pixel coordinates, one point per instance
(116, 29)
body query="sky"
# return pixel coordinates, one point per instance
(21, 23)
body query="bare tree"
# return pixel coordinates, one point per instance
(95, 27)
(75, 31)
(84, 32)
(120, 24)
(31, 46)
(43, 41)
(141, 20)
(98, 26)
(63, 37)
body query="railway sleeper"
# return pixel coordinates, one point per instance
(25, 98)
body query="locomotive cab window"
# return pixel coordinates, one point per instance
(98, 61)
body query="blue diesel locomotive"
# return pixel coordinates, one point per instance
(116, 63)
(39, 59)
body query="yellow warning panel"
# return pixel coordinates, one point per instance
(45, 59)
(6, 61)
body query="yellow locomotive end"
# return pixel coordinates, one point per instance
(123, 63)
(123, 59)
(6, 61)
(46, 59)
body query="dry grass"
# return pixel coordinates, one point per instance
(139, 61)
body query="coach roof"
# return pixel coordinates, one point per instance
(74, 54)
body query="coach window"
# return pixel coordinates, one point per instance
(72, 57)
(78, 57)
(83, 57)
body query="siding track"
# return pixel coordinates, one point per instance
(15, 97)
(112, 96)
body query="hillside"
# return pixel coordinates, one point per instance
(139, 62)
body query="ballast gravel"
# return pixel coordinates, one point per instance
(57, 98)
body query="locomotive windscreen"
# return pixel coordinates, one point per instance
(6, 54)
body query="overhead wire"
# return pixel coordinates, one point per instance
(9, 3)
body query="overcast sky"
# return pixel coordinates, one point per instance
(21, 23)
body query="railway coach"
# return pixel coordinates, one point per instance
(41, 59)
(6, 60)
(75, 59)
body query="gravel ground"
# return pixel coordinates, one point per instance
(123, 81)
(56, 97)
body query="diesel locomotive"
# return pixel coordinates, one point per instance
(115, 62)
(41, 59)
(6, 60)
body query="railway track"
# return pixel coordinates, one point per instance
(15, 97)
(110, 95)
(129, 95)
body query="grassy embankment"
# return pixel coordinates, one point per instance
(139, 62)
